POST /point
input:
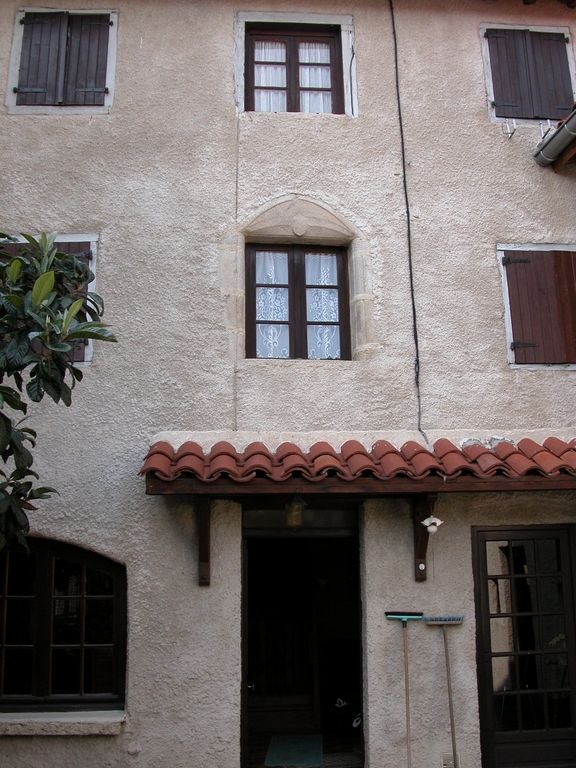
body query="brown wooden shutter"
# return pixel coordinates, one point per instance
(542, 294)
(509, 65)
(87, 58)
(530, 74)
(42, 59)
(552, 93)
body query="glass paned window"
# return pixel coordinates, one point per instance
(297, 70)
(297, 303)
(64, 628)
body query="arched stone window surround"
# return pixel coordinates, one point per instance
(299, 219)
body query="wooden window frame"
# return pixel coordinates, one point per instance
(297, 298)
(493, 740)
(291, 35)
(536, 73)
(87, 246)
(46, 551)
(551, 340)
(12, 95)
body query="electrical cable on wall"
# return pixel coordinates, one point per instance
(408, 229)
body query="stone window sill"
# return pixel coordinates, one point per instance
(106, 723)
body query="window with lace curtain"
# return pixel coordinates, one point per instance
(290, 68)
(297, 302)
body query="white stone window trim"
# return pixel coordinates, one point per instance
(346, 24)
(101, 723)
(545, 124)
(14, 68)
(501, 248)
(91, 238)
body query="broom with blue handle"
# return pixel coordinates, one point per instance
(446, 621)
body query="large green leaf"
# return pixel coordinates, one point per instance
(14, 269)
(91, 331)
(17, 349)
(71, 314)
(42, 288)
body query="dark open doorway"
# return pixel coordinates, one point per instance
(302, 643)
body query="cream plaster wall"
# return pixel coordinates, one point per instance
(388, 584)
(170, 179)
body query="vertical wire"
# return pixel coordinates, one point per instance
(408, 229)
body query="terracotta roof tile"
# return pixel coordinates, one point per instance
(383, 462)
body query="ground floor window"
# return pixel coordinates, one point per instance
(526, 645)
(62, 629)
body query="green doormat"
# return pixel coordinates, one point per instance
(295, 750)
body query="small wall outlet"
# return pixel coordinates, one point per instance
(448, 760)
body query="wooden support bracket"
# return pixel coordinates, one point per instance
(422, 507)
(203, 520)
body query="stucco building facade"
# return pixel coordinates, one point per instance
(415, 183)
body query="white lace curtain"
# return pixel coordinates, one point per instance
(315, 73)
(270, 77)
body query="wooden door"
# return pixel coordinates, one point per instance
(281, 660)
(526, 646)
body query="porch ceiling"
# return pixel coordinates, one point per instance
(354, 471)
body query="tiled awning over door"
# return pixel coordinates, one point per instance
(352, 469)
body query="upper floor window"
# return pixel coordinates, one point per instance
(295, 62)
(297, 302)
(540, 300)
(529, 73)
(62, 629)
(62, 59)
(294, 69)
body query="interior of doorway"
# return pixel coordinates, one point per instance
(302, 655)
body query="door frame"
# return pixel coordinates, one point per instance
(488, 734)
(275, 533)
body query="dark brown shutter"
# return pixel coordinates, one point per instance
(42, 58)
(86, 59)
(550, 76)
(509, 65)
(530, 74)
(542, 294)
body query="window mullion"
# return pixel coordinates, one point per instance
(343, 308)
(294, 313)
(301, 350)
(292, 74)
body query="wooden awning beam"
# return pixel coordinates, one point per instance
(365, 487)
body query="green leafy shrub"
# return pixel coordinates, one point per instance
(44, 309)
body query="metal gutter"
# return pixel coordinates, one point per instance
(552, 147)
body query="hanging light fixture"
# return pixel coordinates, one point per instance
(295, 512)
